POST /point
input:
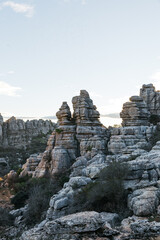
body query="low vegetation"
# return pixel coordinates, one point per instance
(36, 192)
(107, 193)
(154, 119)
(17, 157)
(59, 130)
(5, 218)
(156, 136)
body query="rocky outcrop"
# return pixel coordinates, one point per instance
(78, 135)
(15, 133)
(30, 165)
(74, 226)
(132, 139)
(138, 110)
(151, 98)
(135, 112)
(83, 145)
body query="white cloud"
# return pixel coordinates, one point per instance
(26, 9)
(8, 90)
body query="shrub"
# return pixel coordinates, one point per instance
(89, 148)
(19, 199)
(154, 119)
(156, 136)
(19, 171)
(5, 217)
(107, 193)
(59, 130)
(38, 202)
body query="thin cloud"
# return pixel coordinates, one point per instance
(8, 90)
(26, 9)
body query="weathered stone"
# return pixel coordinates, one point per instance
(18, 134)
(67, 227)
(80, 135)
(31, 163)
(135, 112)
(144, 202)
(130, 139)
(151, 97)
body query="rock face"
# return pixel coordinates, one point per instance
(73, 226)
(132, 139)
(16, 133)
(78, 135)
(135, 112)
(83, 145)
(151, 98)
(30, 165)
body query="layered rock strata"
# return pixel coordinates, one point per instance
(151, 98)
(132, 139)
(80, 143)
(77, 135)
(16, 133)
(135, 112)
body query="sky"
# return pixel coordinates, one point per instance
(51, 49)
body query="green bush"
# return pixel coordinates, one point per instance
(89, 148)
(19, 199)
(107, 193)
(5, 218)
(154, 119)
(59, 130)
(155, 137)
(19, 171)
(38, 201)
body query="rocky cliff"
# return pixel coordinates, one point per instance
(74, 136)
(18, 139)
(83, 145)
(18, 134)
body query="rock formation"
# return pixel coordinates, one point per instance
(135, 112)
(16, 133)
(83, 145)
(130, 140)
(151, 98)
(78, 135)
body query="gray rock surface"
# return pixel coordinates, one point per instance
(80, 135)
(130, 140)
(135, 112)
(80, 143)
(78, 223)
(151, 98)
(17, 134)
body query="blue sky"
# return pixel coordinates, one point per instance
(50, 49)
